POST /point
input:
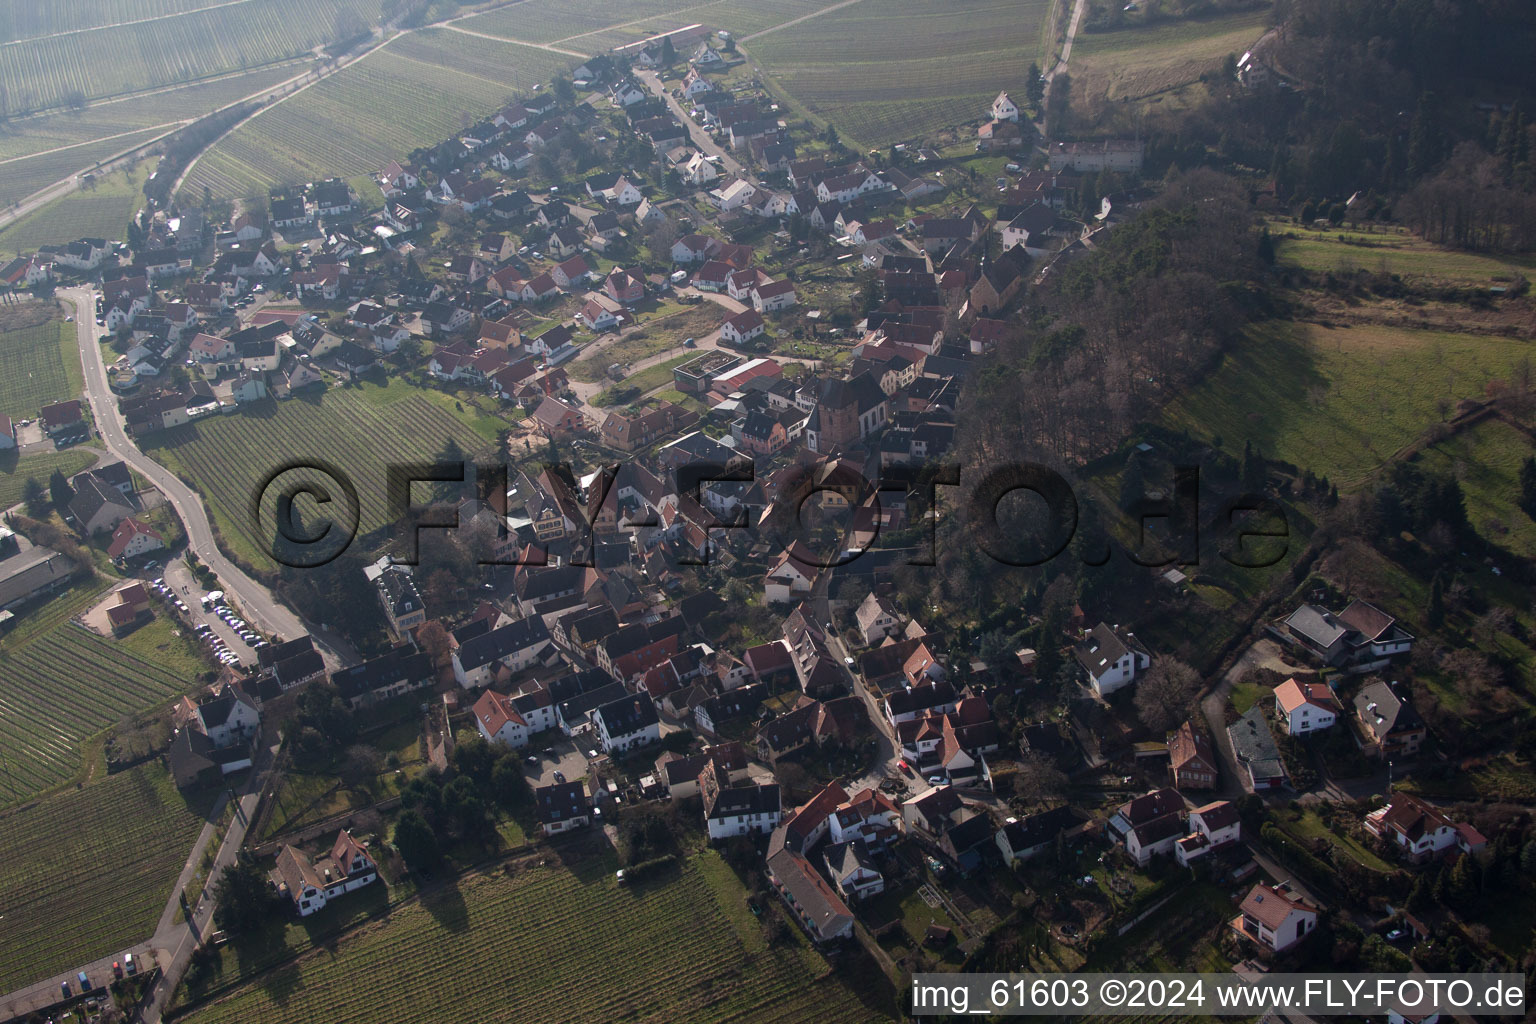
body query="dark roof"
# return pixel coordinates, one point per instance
(1038, 829)
(562, 801)
(1384, 711)
(402, 663)
(274, 653)
(631, 713)
(503, 642)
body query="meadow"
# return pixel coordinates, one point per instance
(147, 51)
(883, 71)
(556, 944)
(38, 366)
(1339, 401)
(1393, 251)
(360, 430)
(415, 91)
(86, 873)
(1486, 460)
(100, 211)
(1144, 60)
(60, 684)
(15, 471)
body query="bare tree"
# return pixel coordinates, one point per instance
(1038, 780)
(1166, 693)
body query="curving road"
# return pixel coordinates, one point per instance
(258, 605)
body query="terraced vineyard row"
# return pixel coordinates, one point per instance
(72, 128)
(905, 80)
(547, 946)
(32, 368)
(547, 21)
(228, 458)
(61, 686)
(27, 19)
(380, 108)
(736, 16)
(14, 471)
(45, 72)
(86, 873)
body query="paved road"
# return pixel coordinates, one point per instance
(1066, 46)
(696, 134)
(255, 602)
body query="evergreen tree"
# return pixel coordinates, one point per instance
(1133, 482)
(1435, 613)
(1253, 472)
(1528, 486)
(1424, 145)
(416, 841)
(35, 498)
(1034, 86)
(59, 490)
(1528, 857)
(668, 52)
(1267, 247)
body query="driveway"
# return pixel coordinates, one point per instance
(697, 135)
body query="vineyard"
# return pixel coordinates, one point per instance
(552, 944)
(60, 683)
(362, 433)
(49, 71)
(34, 368)
(14, 471)
(101, 211)
(27, 19)
(413, 92)
(882, 71)
(86, 873)
(550, 21)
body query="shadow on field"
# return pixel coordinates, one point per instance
(446, 905)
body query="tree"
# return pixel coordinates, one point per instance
(1038, 780)
(416, 841)
(1058, 104)
(509, 786)
(668, 52)
(1528, 486)
(59, 490)
(1229, 68)
(1434, 614)
(35, 498)
(1254, 471)
(433, 638)
(465, 808)
(1165, 693)
(1034, 87)
(474, 758)
(349, 25)
(565, 92)
(243, 896)
(360, 766)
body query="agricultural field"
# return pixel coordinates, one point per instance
(174, 48)
(556, 21)
(1340, 401)
(27, 19)
(681, 948)
(359, 430)
(883, 71)
(1394, 251)
(86, 873)
(413, 92)
(38, 366)
(100, 211)
(1133, 63)
(16, 471)
(61, 683)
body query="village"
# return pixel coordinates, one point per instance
(776, 323)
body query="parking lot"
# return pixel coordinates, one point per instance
(570, 759)
(220, 633)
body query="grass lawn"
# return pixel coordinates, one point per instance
(102, 211)
(38, 366)
(660, 335)
(1307, 826)
(883, 71)
(669, 949)
(1144, 60)
(1339, 401)
(87, 872)
(637, 384)
(1393, 251)
(360, 430)
(305, 798)
(1246, 695)
(16, 470)
(60, 684)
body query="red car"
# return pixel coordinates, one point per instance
(117, 969)
(906, 769)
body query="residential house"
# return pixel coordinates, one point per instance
(625, 724)
(737, 808)
(562, 806)
(1306, 707)
(814, 903)
(742, 328)
(133, 538)
(311, 883)
(1253, 745)
(774, 296)
(1191, 763)
(1004, 109)
(853, 870)
(1389, 723)
(1149, 825)
(97, 506)
(1111, 657)
(1120, 155)
(1275, 918)
(1034, 834)
(1419, 830)
(498, 720)
(877, 619)
(513, 647)
(1212, 827)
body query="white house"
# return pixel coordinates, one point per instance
(853, 871)
(1275, 918)
(774, 296)
(1111, 658)
(737, 809)
(562, 807)
(1306, 707)
(499, 721)
(312, 883)
(742, 327)
(733, 197)
(877, 619)
(515, 646)
(627, 723)
(1419, 830)
(1004, 109)
(696, 84)
(785, 580)
(229, 718)
(699, 170)
(1210, 827)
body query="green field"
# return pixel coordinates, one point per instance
(883, 71)
(413, 92)
(1132, 63)
(556, 944)
(551, 21)
(14, 471)
(151, 47)
(36, 368)
(1486, 460)
(27, 19)
(101, 211)
(86, 874)
(361, 431)
(60, 683)
(1394, 251)
(1339, 401)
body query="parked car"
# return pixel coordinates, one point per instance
(559, 776)
(130, 963)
